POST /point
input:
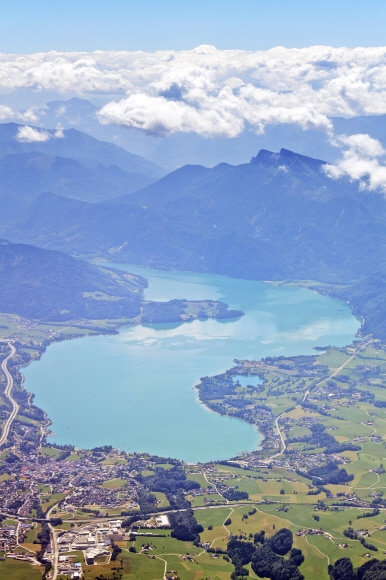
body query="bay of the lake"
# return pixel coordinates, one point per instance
(134, 390)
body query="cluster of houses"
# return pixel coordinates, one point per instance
(216, 479)
(310, 532)
(81, 481)
(13, 494)
(12, 535)
(101, 496)
(171, 575)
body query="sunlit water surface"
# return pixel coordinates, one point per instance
(134, 390)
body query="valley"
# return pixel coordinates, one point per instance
(107, 438)
(263, 489)
(251, 492)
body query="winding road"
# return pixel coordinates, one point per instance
(7, 392)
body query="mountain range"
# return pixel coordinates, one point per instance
(69, 163)
(278, 217)
(24, 176)
(179, 149)
(73, 144)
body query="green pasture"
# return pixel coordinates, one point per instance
(16, 570)
(165, 545)
(212, 516)
(33, 534)
(333, 358)
(135, 567)
(204, 566)
(313, 560)
(164, 502)
(43, 488)
(114, 483)
(199, 478)
(113, 461)
(54, 498)
(73, 457)
(50, 451)
(200, 499)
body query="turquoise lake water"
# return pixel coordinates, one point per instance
(134, 390)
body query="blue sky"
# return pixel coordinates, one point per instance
(66, 25)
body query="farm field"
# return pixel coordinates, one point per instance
(319, 473)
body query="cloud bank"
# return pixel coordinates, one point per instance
(221, 93)
(213, 92)
(7, 114)
(360, 161)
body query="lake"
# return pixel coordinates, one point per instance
(134, 390)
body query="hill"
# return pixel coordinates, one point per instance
(278, 217)
(23, 176)
(73, 144)
(367, 297)
(47, 285)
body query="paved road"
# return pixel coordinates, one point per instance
(54, 545)
(215, 487)
(337, 370)
(308, 392)
(7, 392)
(281, 437)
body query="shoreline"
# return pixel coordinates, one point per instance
(116, 330)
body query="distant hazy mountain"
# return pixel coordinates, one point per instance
(278, 217)
(75, 145)
(189, 148)
(185, 148)
(23, 176)
(47, 285)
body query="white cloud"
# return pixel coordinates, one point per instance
(361, 144)
(31, 135)
(159, 116)
(359, 161)
(58, 134)
(8, 114)
(28, 134)
(210, 91)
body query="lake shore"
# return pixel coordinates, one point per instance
(203, 338)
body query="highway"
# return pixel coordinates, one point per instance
(54, 545)
(7, 392)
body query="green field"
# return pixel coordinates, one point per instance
(277, 495)
(161, 497)
(114, 483)
(15, 570)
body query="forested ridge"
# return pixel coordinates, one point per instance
(278, 217)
